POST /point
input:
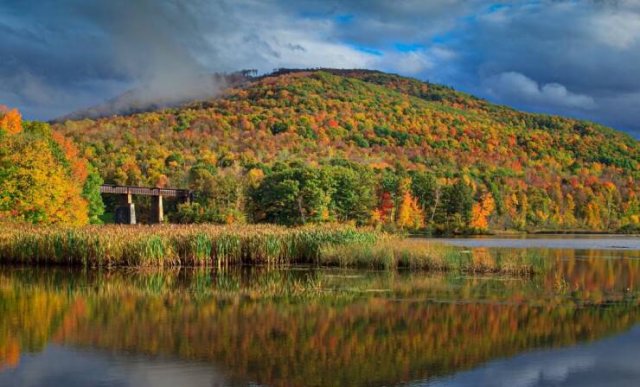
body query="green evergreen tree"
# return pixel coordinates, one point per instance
(91, 193)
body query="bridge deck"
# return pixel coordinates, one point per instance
(145, 191)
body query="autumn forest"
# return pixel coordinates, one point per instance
(350, 146)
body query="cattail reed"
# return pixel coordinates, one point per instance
(223, 246)
(172, 245)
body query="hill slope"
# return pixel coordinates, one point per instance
(539, 171)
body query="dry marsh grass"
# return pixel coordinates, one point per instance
(172, 245)
(390, 252)
(218, 246)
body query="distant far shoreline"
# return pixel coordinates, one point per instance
(515, 233)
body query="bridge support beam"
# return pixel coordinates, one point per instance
(126, 212)
(157, 209)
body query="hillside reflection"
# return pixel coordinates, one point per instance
(320, 327)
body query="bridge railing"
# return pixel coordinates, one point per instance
(144, 191)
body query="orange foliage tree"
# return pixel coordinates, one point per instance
(385, 210)
(481, 211)
(10, 120)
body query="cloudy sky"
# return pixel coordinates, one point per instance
(570, 57)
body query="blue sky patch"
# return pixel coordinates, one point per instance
(411, 47)
(344, 19)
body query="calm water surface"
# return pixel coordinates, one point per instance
(578, 325)
(574, 242)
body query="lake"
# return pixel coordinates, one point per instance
(574, 242)
(577, 325)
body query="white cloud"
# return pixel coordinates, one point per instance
(513, 85)
(268, 45)
(620, 30)
(409, 63)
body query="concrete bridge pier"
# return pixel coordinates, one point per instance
(157, 210)
(126, 212)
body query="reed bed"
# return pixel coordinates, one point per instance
(173, 245)
(221, 246)
(390, 252)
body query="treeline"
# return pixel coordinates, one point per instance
(376, 149)
(43, 178)
(395, 198)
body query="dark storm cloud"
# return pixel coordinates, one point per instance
(569, 57)
(47, 56)
(577, 58)
(62, 55)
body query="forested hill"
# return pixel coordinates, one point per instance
(430, 155)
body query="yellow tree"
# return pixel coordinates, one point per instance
(410, 215)
(592, 215)
(36, 187)
(481, 211)
(37, 184)
(569, 219)
(611, 204)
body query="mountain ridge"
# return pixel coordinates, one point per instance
(382, 122)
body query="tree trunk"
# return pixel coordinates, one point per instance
(301, 209)
(435, 205)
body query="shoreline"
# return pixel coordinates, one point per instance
(513, 233)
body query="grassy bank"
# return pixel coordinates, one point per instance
(396, 253)
(172, 245)
(209, 245)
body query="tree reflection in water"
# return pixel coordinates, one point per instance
(321, 327)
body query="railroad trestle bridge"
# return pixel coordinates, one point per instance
(125, 213)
